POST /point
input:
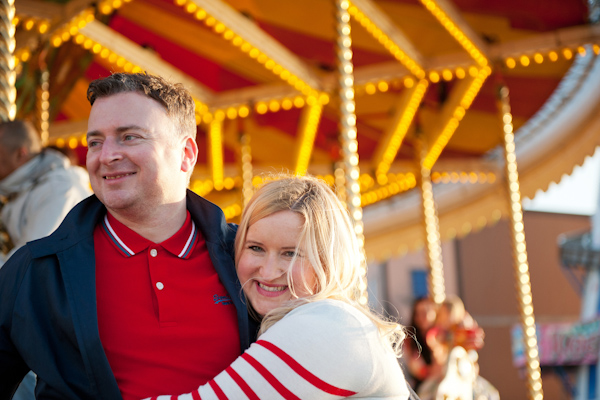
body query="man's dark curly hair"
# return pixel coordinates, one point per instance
(176, 99)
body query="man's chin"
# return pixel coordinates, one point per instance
(116, 203)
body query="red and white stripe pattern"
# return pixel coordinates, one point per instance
(267, 373)
(326, 349)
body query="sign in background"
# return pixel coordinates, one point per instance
(561, 344)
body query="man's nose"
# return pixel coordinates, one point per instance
(111, 151)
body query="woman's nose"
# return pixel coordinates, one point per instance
(272, 268)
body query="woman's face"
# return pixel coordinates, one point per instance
(424, 315)
(271, 244)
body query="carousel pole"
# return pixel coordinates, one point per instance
(8, 92)
(247, 175)
(433, 245)
(523, 283)
(43, 102)
(347, 178)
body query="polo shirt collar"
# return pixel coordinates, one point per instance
(129, 243)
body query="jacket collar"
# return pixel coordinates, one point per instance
(220, 240)
(83, 218)
(209, 215)
(77, 226)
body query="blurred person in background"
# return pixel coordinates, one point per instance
(417, 354)
(38, 186)
(455, 328)
(76, 163)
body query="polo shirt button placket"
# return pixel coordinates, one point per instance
(159, 285)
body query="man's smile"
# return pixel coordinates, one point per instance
(117, 176)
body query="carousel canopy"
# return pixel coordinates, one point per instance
(265, 80)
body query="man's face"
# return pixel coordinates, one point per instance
(136, 159)
(9, 161)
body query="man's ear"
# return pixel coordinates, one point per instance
(190, 155)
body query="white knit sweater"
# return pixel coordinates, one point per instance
(321, 350)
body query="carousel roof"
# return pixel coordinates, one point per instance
(265, 70)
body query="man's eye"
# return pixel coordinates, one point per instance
(93, 143)
(128, 137)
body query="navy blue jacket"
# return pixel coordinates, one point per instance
(48, 320)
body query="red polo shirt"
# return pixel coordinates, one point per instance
(166, 322)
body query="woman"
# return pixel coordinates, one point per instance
(417, 353)
(299, 263)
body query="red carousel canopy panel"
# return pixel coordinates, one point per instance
(187, 42)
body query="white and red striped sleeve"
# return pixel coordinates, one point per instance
(322, 350)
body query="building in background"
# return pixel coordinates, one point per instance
(479, 269)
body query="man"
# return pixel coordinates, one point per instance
(39, 188)
(135, 293)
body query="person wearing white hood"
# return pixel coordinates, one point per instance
(38, 187)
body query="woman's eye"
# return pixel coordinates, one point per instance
(289, 254)
(255, 248)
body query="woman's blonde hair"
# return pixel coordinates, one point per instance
(328, 241)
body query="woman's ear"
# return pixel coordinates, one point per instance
(190, 155)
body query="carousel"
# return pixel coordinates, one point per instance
(431, 118)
